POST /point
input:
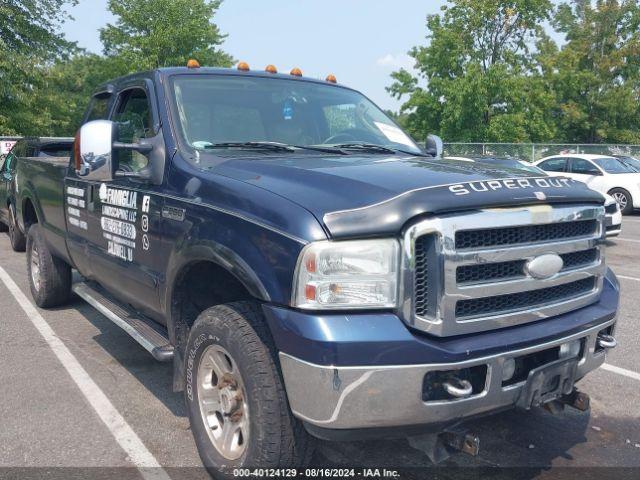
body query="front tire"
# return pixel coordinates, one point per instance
(235, 396)
(624, 199)
(18, 239)
(49, 276)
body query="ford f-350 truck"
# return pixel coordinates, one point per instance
(308, 269)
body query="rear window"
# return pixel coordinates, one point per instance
(57, 150)
(613, 165)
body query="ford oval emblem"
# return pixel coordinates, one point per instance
(544, 266)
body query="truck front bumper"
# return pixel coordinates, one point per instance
(392, 396)
(369, 371)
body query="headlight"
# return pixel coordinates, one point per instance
(349, 274)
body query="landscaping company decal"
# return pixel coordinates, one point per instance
(76, 207)
(120, 215)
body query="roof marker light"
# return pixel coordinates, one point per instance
(296, 72)
(271, 69)
(193, 63)
(331, 78)
(243, 67)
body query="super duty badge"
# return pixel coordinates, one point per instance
(510, 184)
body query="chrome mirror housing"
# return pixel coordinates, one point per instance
(93, 150)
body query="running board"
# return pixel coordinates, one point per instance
(144, 331)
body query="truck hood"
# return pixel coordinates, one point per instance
(373, 195)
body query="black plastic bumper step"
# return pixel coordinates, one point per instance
(144, 331)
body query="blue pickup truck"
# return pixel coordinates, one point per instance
(310, 271)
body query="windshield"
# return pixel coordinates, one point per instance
(632, 162)
(215, 110)
(613, 165)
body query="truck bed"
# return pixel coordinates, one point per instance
(41, 181)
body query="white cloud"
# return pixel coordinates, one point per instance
(400, 60)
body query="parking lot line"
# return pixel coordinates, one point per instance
(621, 371)
(628, 278)
(139, 455)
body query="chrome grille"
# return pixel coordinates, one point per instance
(517, 301)
(493, 237)
(462, 277)
(488, 272)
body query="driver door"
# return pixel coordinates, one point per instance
(127, 212)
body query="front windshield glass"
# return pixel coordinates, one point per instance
(218, 109)
(613, 165)
(632, 162)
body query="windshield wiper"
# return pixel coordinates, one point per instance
(368, 147)
(373, 148)
(273, 146)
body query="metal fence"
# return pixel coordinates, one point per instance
(535, 151)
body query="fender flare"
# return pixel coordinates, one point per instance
(219, 255)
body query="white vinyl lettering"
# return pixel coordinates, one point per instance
(119, 228)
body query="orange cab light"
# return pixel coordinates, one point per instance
(243, 66)
(332, 78)
(193, 63)
(296, 72)
(271, 69)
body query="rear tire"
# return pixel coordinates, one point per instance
(624, 199)
(234, 339)
(49, 276)
(18, 240)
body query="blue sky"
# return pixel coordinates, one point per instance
(360, 41)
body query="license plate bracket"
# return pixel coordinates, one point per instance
(548, 382)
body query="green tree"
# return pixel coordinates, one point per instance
(160, 33)
(475, 78)
(596, 73)
(29, 39)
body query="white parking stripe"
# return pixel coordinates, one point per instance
(125, 436)
(621, 371)
(618, 239)
(628, 278)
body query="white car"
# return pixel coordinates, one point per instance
(613, 219)
(602, 173)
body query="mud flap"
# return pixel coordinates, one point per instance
(548, 383)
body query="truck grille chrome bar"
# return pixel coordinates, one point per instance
(469, 273)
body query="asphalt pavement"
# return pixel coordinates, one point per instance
(86, 401)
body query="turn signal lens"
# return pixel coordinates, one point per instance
(332, 79)
(192, 63)
(76, 152)
(243, 67)
(271, 69)
(296, 72)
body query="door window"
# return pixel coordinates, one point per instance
(133, 117)
(554, 165)
(583, 167)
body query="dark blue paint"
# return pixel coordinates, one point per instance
(383, 339)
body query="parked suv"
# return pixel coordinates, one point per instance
(603, 173)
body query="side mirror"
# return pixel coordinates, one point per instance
(434, 146)
(93, 152)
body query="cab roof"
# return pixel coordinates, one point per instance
(166, 72)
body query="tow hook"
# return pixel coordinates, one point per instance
(439, 446)
(457, 387)
(606, 341)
